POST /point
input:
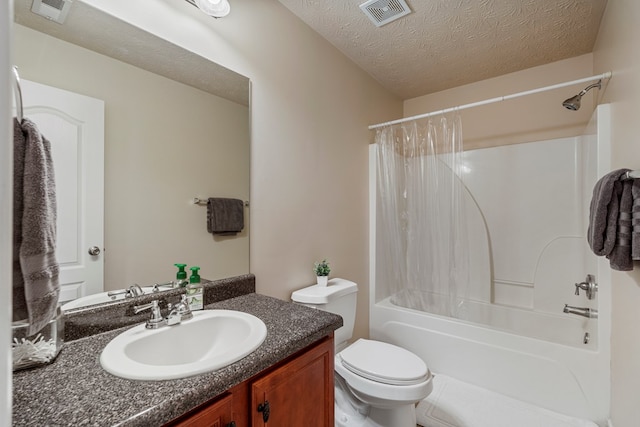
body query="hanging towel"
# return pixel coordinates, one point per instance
(620, 256)
(603, 213)
(635, 221)
(35, 270)
(225, 217)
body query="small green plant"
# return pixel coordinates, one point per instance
(321, 268)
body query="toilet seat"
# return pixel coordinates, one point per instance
(384, 363)
(387, 384)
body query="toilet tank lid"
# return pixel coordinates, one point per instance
(317, 294)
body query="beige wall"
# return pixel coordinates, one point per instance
(310, 111)
(617, 50)
(531, 118)
(165, 143)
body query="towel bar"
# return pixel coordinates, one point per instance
(203, 202)
(631, 175)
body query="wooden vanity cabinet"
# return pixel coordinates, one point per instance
(219, 413)
(295, 392)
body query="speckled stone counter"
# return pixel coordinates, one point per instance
(75, 390)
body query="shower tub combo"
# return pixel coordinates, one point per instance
(511, 335)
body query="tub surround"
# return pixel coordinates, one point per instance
(75, 390)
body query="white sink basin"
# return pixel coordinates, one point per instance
(211, 340)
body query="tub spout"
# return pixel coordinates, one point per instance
(581, 311)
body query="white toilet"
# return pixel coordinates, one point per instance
(376, 384)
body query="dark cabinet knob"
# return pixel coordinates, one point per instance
(264, 408)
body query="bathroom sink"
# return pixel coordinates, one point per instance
(211, 340)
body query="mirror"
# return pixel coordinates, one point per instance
(176, 128)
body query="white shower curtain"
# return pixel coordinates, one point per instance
(422, 238)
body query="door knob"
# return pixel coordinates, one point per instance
(94, 251)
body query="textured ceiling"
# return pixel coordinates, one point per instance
(448, 43)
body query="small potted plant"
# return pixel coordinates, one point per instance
(322, 271)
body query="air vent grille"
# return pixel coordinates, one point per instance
(54, 10)
(381, 12)
(56, 4)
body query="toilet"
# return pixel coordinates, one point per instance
(377, 384)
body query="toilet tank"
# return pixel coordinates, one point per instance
(339, 297)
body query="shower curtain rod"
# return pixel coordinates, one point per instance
(606, 75)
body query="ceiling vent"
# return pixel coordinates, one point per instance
(381, 12)
(54, 10)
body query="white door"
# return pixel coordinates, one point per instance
(74, 124)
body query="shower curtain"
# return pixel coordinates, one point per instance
(422, 237)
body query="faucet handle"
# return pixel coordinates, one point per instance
(179, 311)
(589, 286)
(184, 308)
(152, 305)
(156, 316)
(157, 286)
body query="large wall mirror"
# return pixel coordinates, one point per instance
(176, 127)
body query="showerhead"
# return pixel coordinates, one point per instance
(573, 103)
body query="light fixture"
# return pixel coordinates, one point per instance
(215, 8)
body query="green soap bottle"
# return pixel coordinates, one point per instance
(195, 290)
(181, 276)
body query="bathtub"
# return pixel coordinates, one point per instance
(562, 378)
(557, 327)
(524, 354)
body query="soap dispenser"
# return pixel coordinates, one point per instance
(195, 291)
(181, 276)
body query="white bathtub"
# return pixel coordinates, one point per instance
(565, 379)
(560, 328)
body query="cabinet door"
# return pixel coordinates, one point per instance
(218, 414)
(299, 393)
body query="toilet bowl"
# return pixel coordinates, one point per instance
(376, 384)
(388, 379)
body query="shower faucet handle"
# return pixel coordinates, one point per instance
(589, 286)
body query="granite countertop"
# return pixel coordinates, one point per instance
(75, 390)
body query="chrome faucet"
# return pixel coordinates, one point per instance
(581, 311)
(156, 320)
(177, 313)
(132, 291)
(157, 286)
(181, 311)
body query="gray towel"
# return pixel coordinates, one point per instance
(620, 256)
(225, 217)
(35, 270)
(635, 221)
(603, 213)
